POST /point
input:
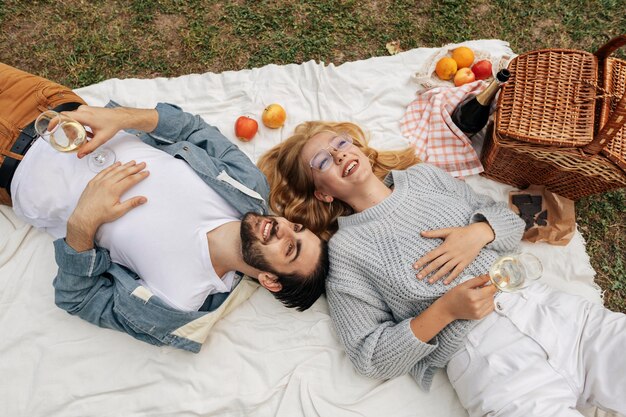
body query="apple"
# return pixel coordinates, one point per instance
(274, 116)
(246, 128)
(463, 76)
(482, 69)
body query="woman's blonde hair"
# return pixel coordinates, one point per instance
(291, 183)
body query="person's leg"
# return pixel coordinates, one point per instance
(5, 198)
(503, 372)
(603, 370)
(585, 342)
(22, 97)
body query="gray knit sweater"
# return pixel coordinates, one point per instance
(372, 289)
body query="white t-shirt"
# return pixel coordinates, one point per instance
(163, 241)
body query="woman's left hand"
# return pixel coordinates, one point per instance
(460, 247)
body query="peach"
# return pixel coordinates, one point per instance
(464, 76)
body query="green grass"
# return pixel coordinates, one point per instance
(78, 42)
(602, 220)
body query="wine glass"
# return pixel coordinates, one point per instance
(67, 135)
(512, 272)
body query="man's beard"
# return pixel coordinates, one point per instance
(251, 244)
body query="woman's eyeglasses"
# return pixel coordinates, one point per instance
(323, 159)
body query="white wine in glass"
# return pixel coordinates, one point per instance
(513, 272)
(61, 132)
(67, 135)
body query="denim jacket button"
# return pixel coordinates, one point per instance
(185, 148)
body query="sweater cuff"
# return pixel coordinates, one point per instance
(508, 229)
(89, 263)
(414, 347)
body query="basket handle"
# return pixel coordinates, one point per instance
(609, 47)
(618, 115)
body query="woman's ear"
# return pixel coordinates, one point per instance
(324, 198)
(270, 281)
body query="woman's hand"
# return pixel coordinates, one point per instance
(471, 300)
(460, 247)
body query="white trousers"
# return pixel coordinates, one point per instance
(542, 353)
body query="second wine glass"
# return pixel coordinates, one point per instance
(513, 272)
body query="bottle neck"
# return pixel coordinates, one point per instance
(485, 96)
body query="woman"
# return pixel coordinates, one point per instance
(294, 195)
(392, 322)
(292, 191)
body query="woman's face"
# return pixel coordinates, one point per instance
(343, 170)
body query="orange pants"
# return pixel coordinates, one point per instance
(23, 97)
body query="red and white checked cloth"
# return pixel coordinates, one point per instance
(437, 140)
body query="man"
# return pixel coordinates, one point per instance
(152, 263)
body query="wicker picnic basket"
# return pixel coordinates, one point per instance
(560, 122)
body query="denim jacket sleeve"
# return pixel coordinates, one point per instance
(175, 125)
(84, 288)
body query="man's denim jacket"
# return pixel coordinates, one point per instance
(90, 285)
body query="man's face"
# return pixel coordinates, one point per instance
(274, 244)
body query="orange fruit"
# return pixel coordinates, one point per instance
(463, 56)
(274, 116)
(446, 68)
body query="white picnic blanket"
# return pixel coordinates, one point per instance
(262, 359)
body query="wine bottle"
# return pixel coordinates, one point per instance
(472, 114)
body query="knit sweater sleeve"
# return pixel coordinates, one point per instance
(508, 227)
(377, 345)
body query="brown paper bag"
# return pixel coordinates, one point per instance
(554, 221)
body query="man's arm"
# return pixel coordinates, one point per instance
(176, 125)
(106, 122)
(100, 202)
(168, 124)
(82, 285)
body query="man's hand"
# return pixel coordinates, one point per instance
(460, 247)
(105, 123)
(100, 202)
(471, 300)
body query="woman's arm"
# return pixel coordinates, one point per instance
(507, 226)
(377, 346)
(375, 342)
(461, 245)
(492, 225)
(471, 300)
